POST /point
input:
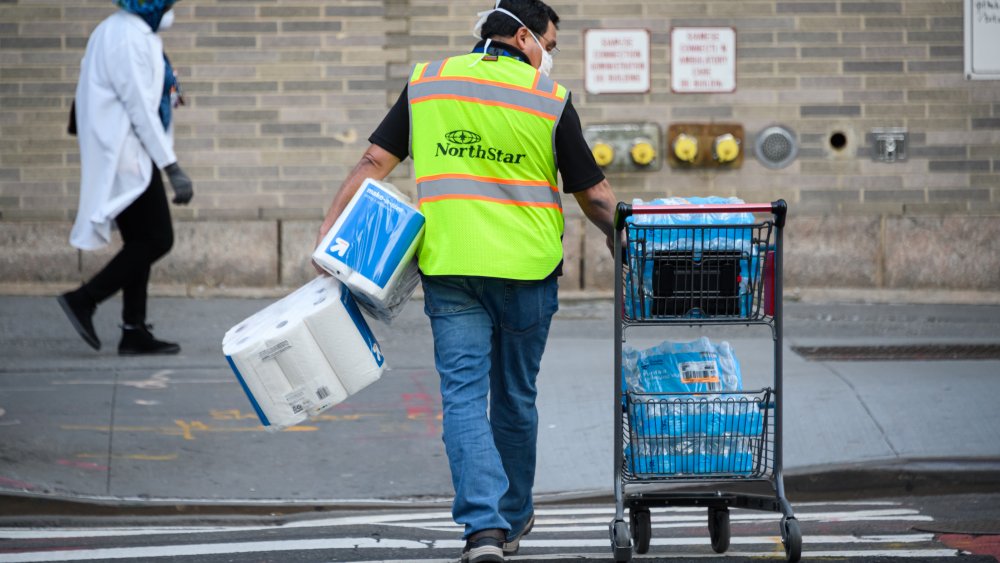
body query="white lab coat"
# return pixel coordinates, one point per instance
(118, 123)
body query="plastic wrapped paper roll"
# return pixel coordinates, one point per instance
(371, 248)
(304, 353)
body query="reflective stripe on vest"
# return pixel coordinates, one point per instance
(482, 138)
(442, 187)
(486, 93)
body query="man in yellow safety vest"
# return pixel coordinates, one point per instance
(488, 131)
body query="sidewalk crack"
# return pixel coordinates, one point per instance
(111, 433)
(864, 404)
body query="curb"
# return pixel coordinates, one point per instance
(876, 479)
(916, 296)
(894, 478)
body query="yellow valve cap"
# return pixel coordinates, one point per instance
(603, 154)
(727, 148)
(643, 153)
(686, 147)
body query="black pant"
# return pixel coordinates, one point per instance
(148, 235)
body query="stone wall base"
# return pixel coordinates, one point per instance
(950, 254)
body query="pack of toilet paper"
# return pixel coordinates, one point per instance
(304, 353)
(371, 248)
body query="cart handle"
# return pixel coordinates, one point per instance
(778, 208)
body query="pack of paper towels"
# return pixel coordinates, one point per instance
(303, 353)
(371, 248)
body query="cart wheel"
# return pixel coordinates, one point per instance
(718, 528)
(641, 526)
(621, 544)
(792, 538)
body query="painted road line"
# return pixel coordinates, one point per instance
(664, 520)
(389, 543)
(548, 521)
(211, 549)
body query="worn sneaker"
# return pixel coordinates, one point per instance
(80, 313)
(138, 341)
(511, 546)
(484, 546)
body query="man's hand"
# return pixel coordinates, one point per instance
(182, 185)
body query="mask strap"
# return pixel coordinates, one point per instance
(486, 50)
(482, 19)
(477, 30)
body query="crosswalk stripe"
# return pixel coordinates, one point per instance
(212, 549)
(439, 520)
(547, 525)
(662, 520)
(548, 520)
(388, 543)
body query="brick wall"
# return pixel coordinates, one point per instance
(282, 96)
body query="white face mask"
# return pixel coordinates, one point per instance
(546, 66)
(167, 20)
(477, 31)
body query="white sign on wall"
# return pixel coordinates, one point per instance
(616, 61)
(702, 59)
(982, 39)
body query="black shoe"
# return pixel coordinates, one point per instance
(138, 341)
(511, 546)
(81, 314)
(484, 546)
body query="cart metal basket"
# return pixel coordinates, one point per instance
(708, 436)
(679, 273)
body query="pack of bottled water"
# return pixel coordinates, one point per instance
(686, 409)
(691, 237)
(694, 456)
(699, 366)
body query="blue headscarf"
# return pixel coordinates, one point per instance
(170, 85)
(151, 11)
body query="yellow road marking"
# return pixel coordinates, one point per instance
(137, 457)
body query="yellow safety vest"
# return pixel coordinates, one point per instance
(482, 138)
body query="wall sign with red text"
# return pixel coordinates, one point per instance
(703, 60)
(616, 61)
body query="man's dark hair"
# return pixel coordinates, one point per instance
(535, 14)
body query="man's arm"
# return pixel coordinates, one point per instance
(376, 163)
(598, 203)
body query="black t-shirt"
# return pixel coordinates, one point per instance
(575, 162)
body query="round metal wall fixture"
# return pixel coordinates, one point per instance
(776, 147)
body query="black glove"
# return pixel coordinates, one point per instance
(183, 188)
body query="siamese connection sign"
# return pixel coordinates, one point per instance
(703, 60)
(616, 61)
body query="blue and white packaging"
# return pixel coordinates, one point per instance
(371, 248)
(685, 413)
(693, 233)
(699, 366)
(304, 353)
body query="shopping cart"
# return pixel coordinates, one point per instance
(683, 449)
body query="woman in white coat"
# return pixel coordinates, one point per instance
(123, 121)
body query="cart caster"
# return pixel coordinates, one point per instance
(718, 528)
(641, 526)
(792, 538)
(621, 544)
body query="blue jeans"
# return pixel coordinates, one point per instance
(489, 335)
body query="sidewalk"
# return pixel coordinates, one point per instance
(89, 426)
